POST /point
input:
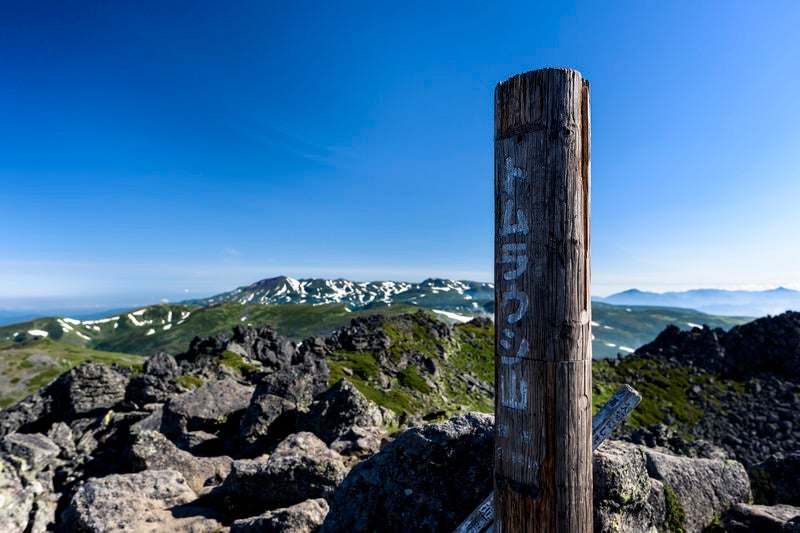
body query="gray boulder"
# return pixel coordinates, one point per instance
(429, 479)
(360, 441)
(742, 518)
(27, 498)
(625, 498)
(213, 408)
(87, 390)
(153, 451)
(149, 501)
(277, 396)
(305, 517)
(301, 468)
(29, 414)
(151, 422)
(161, 365)
(263, 345)
(342, 407)
(156, 383)
(61, 434)
(703, 487)
(202, 444)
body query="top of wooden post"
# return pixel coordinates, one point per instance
(519, 116)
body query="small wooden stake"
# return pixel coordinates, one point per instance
(543, 368)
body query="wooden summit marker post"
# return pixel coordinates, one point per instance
(543, 364)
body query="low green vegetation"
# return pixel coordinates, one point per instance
(408, 377)
(426, 368)
(234, 361)
(189, 382)
(29, 365)
(663, 390)
(676, 515)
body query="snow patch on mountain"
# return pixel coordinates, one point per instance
(453, 316)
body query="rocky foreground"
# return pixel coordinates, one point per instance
(246, 433)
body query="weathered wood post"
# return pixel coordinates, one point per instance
(543, 367)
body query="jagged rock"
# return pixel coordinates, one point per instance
(151, 422)
(84, 390)
(61, 434)
(305, 517)
(624, 496)
(342, 407)
(26, 414)
(431, 477)
(153, 500)
(146, 389)
(742, 518)
(280, 393)
(84, 431)
(36, 451)
(161, 365)
(202, 443)
(27, 498)
(777, 480)
(155, 384)
(301, 467)
(87, 390)
(215, 407)
(262, 344)
(200, 346)
(153, 451)
(704, 487)
(363, 334)
(360, 441)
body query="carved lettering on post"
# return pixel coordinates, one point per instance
(512, 388)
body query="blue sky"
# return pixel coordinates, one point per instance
(155, 150)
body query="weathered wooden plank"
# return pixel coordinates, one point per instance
(543, 471)
(616, 409)
(607, 418)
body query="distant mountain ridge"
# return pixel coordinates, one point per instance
(715, 301)
(433, 293)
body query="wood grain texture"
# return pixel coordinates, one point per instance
(543, 470)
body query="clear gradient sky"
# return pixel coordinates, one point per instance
(155, 150)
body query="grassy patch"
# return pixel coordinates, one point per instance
(234, 361)
(475, 352)
(30, 365)
(664, 390)
(408, 377)
(363, 365)
(189, 382)
(398, 401)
